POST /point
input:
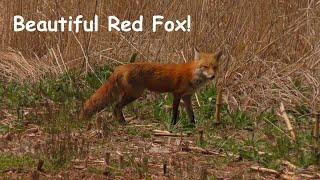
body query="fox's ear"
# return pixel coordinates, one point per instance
(218, 55)
(196, 53)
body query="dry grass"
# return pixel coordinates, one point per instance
(271, 47)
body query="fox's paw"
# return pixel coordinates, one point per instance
(173, 122)
(122, 122)
(217, 123)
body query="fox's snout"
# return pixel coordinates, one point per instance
(209, 76)
(205, 75)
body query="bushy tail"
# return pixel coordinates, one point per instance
(103, 97)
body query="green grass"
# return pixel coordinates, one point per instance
(266, 136)
(57, 160)
(61, 149)
(55, 104)
(95, 170)
(4, 129)
(133, 131)
(22, 163)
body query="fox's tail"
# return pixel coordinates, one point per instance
(104, 96)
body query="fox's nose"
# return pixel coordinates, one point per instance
(212, 77)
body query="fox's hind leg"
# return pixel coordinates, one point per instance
(125, 99)
(130, 92)
(117, 112)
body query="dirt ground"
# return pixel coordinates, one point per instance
(134, 151)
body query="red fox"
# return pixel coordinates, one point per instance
(128, 82)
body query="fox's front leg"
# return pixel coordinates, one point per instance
(175, 108)
(188, 105)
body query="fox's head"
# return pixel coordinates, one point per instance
(207, 64)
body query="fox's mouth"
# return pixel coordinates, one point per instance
(206, 76)
(211, 78)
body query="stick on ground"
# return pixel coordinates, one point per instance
(284, 115)
(264, 170)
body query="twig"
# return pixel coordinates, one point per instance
(264, 170)
(207, 152)
(277, 127)
(289, 164)
(307, 176)
(86, 58)
(166, 133)
(56, 59)
(117, 61)
(130, 43)
(64, 64)
(284, 115)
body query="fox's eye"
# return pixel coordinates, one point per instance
(205, 67)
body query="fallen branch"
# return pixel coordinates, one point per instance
(201, 150)
(167, 133)
(289, 164)
(207, 152)
(308, 176)
(141, 125)
(264, 170)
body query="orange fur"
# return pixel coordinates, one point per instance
(129, 81)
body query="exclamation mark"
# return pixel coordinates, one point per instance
(189, 23)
